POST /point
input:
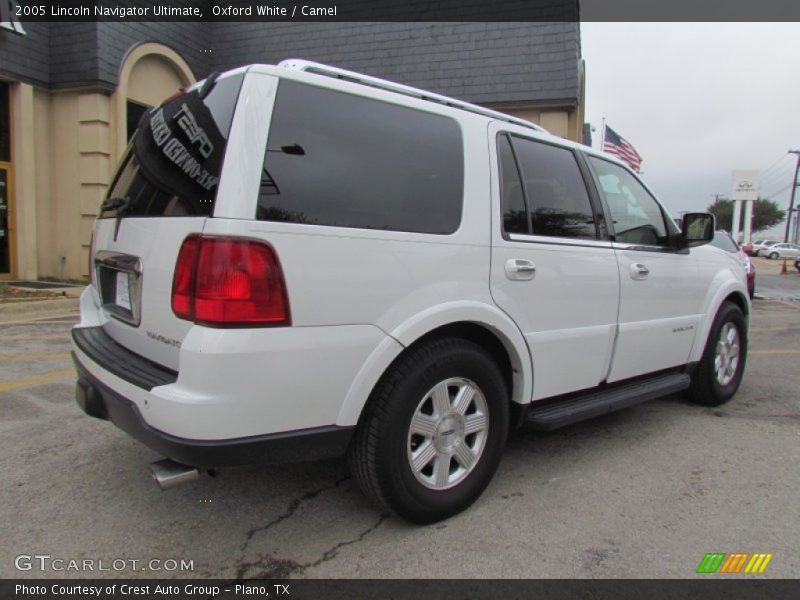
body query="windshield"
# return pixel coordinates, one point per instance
(724, 241)
(174, 162)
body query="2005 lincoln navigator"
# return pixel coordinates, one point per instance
(296, 262)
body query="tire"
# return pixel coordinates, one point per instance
(709, 387)
(384, 446)
(773, 255)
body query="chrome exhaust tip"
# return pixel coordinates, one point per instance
(168, 473)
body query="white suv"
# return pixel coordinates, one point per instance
(296, 262)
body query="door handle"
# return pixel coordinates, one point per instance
(519, 269)
(639, 271)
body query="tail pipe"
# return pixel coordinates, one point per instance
(168, 473)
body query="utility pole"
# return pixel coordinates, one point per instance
(791, 201)
(796, 225)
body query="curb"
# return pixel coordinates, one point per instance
(37, 307)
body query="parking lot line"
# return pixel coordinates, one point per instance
(50, 356)
(40, 319)
(5, 386)
(794, 305)
(43, 336)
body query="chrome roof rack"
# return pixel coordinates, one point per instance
(353, 77)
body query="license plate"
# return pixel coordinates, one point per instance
(123, 294)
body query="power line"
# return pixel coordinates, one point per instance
(774, 164)
(776, 192)
(777, 175)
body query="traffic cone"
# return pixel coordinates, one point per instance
(784, 271)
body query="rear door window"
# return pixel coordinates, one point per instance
(552, 189)
(346, 161)
(173, 164)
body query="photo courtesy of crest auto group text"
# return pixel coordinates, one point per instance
(389, 298)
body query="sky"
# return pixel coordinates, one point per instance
(697, 101)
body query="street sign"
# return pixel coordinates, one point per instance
(745, 185)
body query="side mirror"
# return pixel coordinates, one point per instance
(697, 229)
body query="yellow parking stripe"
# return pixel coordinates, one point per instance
(43, 336)
(38, 320)
(53, 356)
(5, 386)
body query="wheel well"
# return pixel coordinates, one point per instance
(740, 301)
(482, 336)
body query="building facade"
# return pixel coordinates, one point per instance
(71, 95)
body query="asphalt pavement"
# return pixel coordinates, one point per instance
(645, 492)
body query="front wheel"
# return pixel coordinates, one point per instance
(720, 371)
(773, 255)
(433, 431)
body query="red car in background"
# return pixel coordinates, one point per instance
(747, 248)
(724, 241)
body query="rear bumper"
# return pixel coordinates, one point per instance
(99, 400)
(232, 384)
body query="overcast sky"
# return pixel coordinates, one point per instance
(698, 100)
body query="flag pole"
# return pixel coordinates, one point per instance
(603, 135)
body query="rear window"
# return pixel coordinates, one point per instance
(346, 161)
(173, 164)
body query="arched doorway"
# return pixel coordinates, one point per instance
(149, 74)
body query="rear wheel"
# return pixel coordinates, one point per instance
(773, 255)
(717, 377)
(433, 431)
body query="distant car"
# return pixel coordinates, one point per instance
(781, 251)
(761, 245)
(747, 248)
(797, 264)
(724, 241)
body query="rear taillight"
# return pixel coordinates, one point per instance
(226, 281)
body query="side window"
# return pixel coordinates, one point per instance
(342, 160)
(515, 215)
(636, 215)
(554, 190)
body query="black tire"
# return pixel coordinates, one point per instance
(705, 388)
(378, 456)
(773, 255)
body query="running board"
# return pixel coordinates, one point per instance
(585, 405)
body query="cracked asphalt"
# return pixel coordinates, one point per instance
(644, 492)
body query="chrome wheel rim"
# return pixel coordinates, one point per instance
(726, 359)
(448, 433)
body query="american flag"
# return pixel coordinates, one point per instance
(615, 144)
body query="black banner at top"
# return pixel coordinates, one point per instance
(21, 11)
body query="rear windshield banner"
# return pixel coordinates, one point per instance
(180, 146)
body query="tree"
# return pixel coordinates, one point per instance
(766, 214)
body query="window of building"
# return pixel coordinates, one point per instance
(5, 179)
(134, 114)
(5, 123)
(636, 215)
(346, 161)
